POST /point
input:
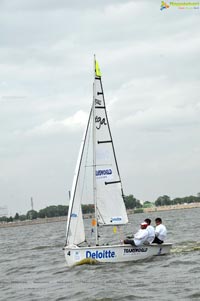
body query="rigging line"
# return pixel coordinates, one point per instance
(121, 233)
(99, 213)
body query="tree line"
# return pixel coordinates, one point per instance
(165, 200)
(130, 202)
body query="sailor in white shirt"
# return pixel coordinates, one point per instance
(151, 231)
(160, 231)
(140, 237)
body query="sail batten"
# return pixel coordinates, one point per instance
(107, 141)
(113, 182)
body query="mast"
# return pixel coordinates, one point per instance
(94, 157)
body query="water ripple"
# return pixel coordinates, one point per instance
(33, 266)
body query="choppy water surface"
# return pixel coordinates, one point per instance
(32, 265)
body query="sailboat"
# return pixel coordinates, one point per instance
(106, 192)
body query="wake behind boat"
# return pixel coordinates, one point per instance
(97, 178)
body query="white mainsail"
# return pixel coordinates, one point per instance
(110, 203)
(108, 194)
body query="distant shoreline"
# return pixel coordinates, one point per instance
(33, 222)
(172, 207)
(64, 218)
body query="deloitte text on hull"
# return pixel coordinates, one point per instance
(100, 254)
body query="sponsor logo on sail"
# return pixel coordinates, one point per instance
(98, 102)
(116, 219)
(130, 251)
(73, 214)
(100, 254)
(100, 122)
(103, 173)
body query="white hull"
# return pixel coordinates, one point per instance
(117, 253)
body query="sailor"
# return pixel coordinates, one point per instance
(140, 237)
(150, 230)
(160, 231)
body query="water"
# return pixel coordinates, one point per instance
(32, 265)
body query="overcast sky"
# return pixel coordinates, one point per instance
(150, 68)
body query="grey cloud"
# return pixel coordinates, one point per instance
(150, 71)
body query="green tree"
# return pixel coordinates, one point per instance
(87, 208)
(50, 211)
(62, 210)
(131, 202)
(176, 201)
(32, 214)
(10, 219)
(22, 217)
(53, 211)
(147, 204)
(163, 201)
(42, 213)
(16, 216)
(3, 219)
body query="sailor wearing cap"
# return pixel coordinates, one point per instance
(140, 237)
